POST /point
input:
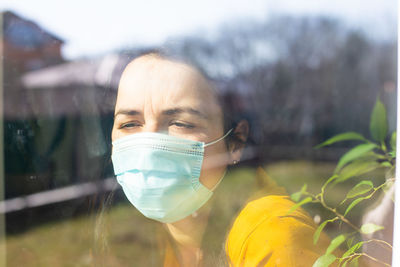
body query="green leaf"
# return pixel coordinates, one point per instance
(297, 205)
(393, 141)
(324, 260)
(349, 241)
(317, 232)
(342, 137)
(337, 241)
(333, 177)
(355, 202)
(296, 196)
(378, 125)
(359, 189)
(353, 249)
(370, 228)
(373, 156)
(357, 168)
(354, 153)
(386, 164)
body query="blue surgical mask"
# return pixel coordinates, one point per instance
(159, 174)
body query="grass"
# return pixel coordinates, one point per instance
(125, 231)
(65, 243)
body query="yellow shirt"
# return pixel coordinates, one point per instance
(262, 234)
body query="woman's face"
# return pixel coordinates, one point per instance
(157, 95)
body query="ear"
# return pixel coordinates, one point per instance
(236, 147)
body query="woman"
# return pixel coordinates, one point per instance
(172, 144)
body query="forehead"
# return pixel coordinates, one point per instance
(163, 83)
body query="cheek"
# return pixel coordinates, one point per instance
(114, 134)
(215, 161)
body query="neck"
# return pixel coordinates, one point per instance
(188, 235)
(189, 231)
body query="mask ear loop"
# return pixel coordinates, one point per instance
(219, 139)
(211, 143)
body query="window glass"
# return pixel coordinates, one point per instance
(198, 134)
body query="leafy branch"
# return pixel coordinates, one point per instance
(379, 152)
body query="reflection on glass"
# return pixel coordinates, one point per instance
(283, 85)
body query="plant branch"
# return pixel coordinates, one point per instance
(341, 217)
(379, 241)
(365, 255)
(321, 200)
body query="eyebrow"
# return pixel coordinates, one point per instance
(175, 111)
(167, 112)
(129, 112)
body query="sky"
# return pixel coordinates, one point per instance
(94, 27)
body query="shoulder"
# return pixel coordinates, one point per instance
(268, 215)
(271, 211)
(264, 231)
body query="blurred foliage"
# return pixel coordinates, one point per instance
(304, 78)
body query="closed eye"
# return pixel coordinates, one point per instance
(182, 125)
(129, 125)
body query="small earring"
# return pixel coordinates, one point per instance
(235, 162)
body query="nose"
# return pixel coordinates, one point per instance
(150, 127)
(153, 127)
